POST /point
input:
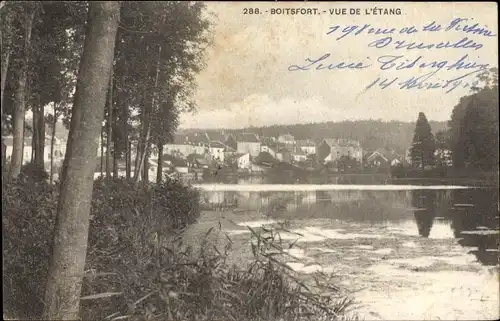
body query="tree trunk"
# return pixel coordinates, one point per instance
(128, 159)
(137, 161)
(62, 296)
(109, 137)
(102, 151)
(41, 142)
(20, 104)
(148, 113)
(38, 156)
(6, 49)
(147, 154)
(159, 172)
(35, 137)
(52, 143)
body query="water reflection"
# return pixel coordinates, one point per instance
(424, 202)
(474, 220)
(470, 216)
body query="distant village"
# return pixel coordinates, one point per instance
(247, 153)
(192, 155)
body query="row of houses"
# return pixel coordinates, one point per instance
(283, 148)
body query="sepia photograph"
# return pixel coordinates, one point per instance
(250, 160)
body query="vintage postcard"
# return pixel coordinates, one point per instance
(318, 160)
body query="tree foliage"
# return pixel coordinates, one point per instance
(423, 145)
(474, 126)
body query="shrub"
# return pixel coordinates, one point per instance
(137, 268)
(34, 172)
(28, 215)
(124, 217)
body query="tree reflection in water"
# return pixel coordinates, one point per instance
(424, 202)
(474, 220)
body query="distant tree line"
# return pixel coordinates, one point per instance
(372, 134)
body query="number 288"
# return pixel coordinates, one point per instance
(251, 11)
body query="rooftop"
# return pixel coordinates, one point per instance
(247, 137)
(217, 144)
(342, 142)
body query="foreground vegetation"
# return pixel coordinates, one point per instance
(136, 268)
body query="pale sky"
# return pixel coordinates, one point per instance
(247, 81)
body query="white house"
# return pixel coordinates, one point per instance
(248, 143)
(269, 145)
(299, 155)
(243, 160)
(307, 146)
(332, 149)
(59, 149)
(217, 151)
(196, 143)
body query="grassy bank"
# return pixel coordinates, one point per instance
(137, 266)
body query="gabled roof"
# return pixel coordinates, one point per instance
(342, 142)
(180, 139)
(375, 154)
(198, 138)
(268, 141)
(247, 137)
(217, 144)
(217, 137)
(194, 139)
(287, 136)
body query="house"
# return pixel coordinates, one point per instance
(269, 145)
(248, 143)
(58, 155)
(180, 145)
(307, 146)
(299, 155)
(397, 161)
(329, 150)
(377, 159)
(240, 160)
(286, 139)
(197, 143)
(217, 150)
(170, 163)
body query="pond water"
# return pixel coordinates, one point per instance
(403, 252)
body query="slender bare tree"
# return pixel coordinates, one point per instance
(62, 297)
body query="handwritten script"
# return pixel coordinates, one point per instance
(411, 55)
